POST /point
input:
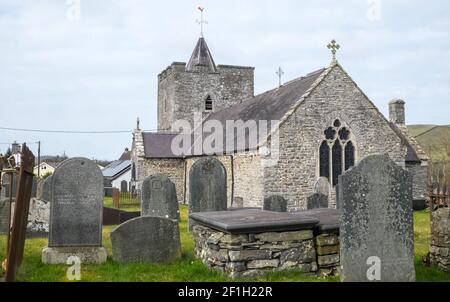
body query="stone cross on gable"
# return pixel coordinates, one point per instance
(333, 46)
(280, 74)
(201, 21)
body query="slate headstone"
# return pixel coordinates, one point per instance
(322, 186)
(124, 186)
(159, 197)
(376, 227)
(317, 201)
(146, 239)
(275, 203)
(207, 186)
(76, 204)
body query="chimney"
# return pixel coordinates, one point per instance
(397, 112)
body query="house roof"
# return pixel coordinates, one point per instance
(116, 168)
(126, 155)
(201, 56)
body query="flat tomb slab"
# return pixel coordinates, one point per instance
(254, 221)
(328, 219)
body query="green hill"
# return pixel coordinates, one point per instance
(434, 139)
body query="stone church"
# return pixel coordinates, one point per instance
(325, 124)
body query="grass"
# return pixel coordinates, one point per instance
(187, 268)
(128, 206)
(433, 140)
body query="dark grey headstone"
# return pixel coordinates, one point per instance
(47, 189)
(377, 221)
(159, 197)
(317, 201)
(4, 216)
(146, 239)
(322, 186)
(124, 186)
(76, 204)
(34, 187)
(275, 204)
(207, 186)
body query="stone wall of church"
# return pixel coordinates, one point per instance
(248, 179)
(172, 168)
(181, 92)
(336, 97)
(419, 174)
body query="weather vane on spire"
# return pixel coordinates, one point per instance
(333, 46)
(201, 21)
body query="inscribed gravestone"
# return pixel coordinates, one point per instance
(159, 197)
(146, 239)
(317, 201)
(77, 204)
(207, 186)
(275, 204)
(376, 227)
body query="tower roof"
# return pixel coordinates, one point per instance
(201, 57)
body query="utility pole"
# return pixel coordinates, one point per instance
(39, 159)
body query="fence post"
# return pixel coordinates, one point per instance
(116, 197)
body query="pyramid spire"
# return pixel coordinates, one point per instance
(201, 57)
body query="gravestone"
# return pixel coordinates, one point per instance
(238, 203)
(376, 226)
(76, 213)
(47, 189)
(322, 186)
(146, 239)
(159, 197)
(4, 215)
(275, 204)
(207, 186)
(34, 187)
(317, 201)
(7, 187)
(124, 186)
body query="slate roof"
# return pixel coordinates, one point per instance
(159, 145)
(116, 168)
(201, 57)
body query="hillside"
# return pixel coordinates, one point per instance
(435, 140)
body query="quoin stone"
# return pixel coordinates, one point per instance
(159, 197)
(275, 204)
(207, 186)
(76, 210)
(376, 227)
(146, 239)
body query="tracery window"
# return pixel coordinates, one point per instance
(336, 152)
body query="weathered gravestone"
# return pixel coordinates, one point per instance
(146, 239)
(317, 201)
(207, 187)
(159, 197)
(76, 213)
(376, 227)
(275, 204)
(4, 216)
(7, 187)
(124, 186)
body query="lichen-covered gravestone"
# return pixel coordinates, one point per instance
(317, 201)
(76, 210)
(376, 227)
(146, 239)
(159, 197)
(275, 204)
(207, 187)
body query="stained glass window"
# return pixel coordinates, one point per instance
(337, 161)
(324, 160)
(349, 156)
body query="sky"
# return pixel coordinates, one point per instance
(92, 65)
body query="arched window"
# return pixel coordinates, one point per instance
(336, 153)
(208, 103)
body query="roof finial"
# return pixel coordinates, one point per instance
(333, 46)
(201, 21)
(280, 74)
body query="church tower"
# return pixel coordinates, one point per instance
(200, 86)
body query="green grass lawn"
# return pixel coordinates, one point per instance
(133, 206)
(187, 268)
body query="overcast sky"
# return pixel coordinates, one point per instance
(99, 71)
